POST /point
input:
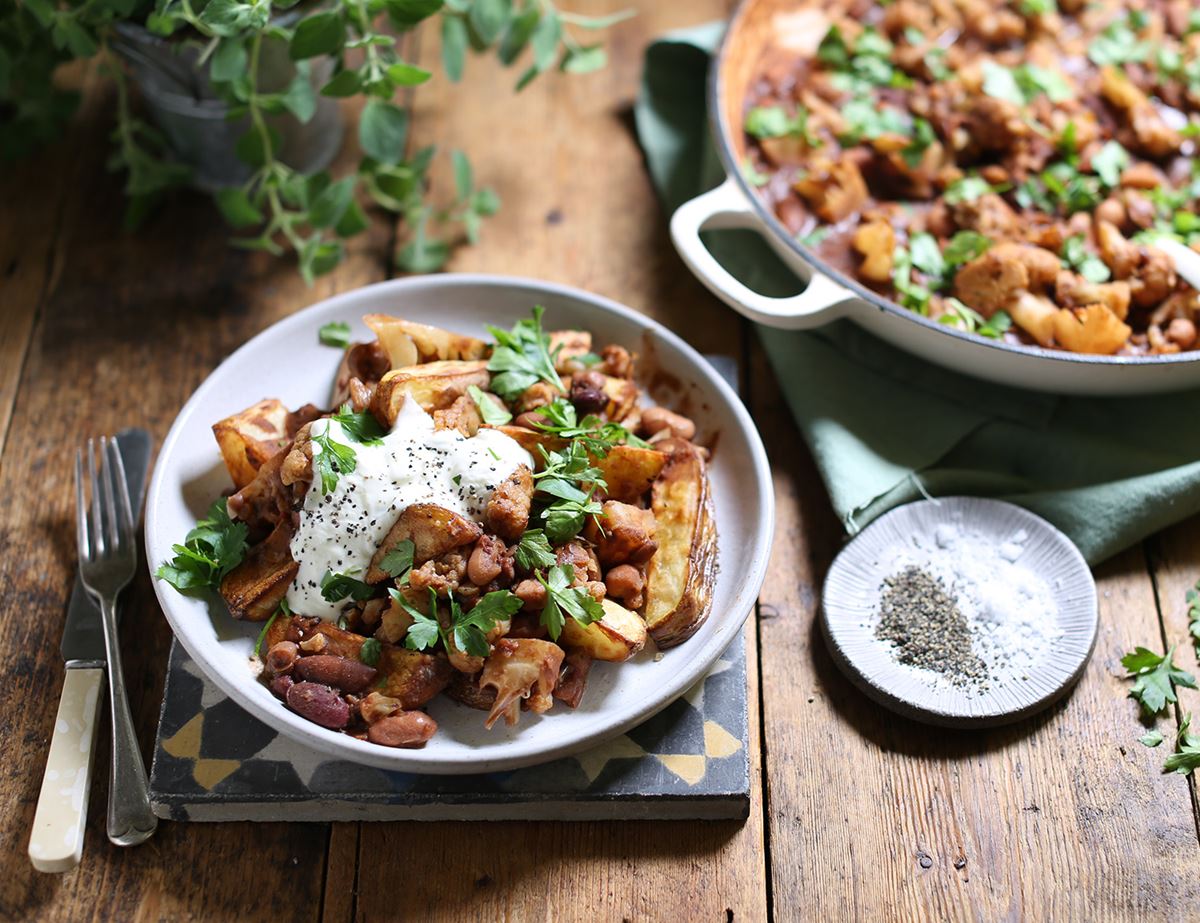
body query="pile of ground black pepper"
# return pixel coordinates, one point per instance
(928, 630)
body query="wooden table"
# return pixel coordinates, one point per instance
(856, 814)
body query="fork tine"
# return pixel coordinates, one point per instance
(112, 514)
(124, 509)
(81, 516)
(97, 522)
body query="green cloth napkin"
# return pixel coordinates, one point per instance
(887, 428)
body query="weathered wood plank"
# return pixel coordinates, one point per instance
(874, 817)
(130, 326)
(577, 208)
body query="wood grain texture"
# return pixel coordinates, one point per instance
(122, 334)
(579, 210)
(874, 817)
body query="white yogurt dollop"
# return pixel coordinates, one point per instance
(340, 532)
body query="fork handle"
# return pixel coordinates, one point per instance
(56, 844)
(130, 817)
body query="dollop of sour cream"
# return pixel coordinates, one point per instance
(341, 531)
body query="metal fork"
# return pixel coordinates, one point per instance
(107, 561)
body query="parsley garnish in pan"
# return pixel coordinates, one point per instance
(331, 459)
(562, 600)
(522, 357)
(209, 551)
(1075, 255)
(336, 587)
(774, 122)
(597, 436)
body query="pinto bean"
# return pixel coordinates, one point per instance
(486, 560)
(657, 419)
(347, 675)
(282, 656)
(407, 729)
(280, 685)
(1182, 332)
(531, 593)
(319, 704)
(1112, 211)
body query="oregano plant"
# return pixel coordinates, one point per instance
(278, 209)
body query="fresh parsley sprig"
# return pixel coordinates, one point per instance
(467, 630)
(336, 587)
(214, 547)
(489, 411)
(522, 357)
(1193, 604)
(1186, 758)
(563, 600)
(361, 426)
(331, 459)
(398, 562)
(336, 333)
(533, 551)
(1156, 677)
(559, 418)
(564, 491)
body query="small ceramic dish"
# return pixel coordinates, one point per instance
(1023, 586)
(286, 361)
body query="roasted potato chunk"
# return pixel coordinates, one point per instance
(249, 438)
(432, 530)
(680, 576)
(410, 676)
(629, 471)
(409, 343)
(434, 385)
(253, 589)
(616, 637)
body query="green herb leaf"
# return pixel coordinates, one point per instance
(533, 552)
(331, 459)
(522, 357)
(1151, 738)
(926, 255)
(382, 130)
(370, 651)
(563, 600)
(425, 631)
(493, 414)
(283, 609)
(336, 587)
(597, 436)
(454, 46)
(1155, 678)
(236, 207)
(965, 246)
(399, 561)
(470, 628)
(320, 33)
(214, 547)
(1186, 758)
(1000, 83)
(335, 333)
(361, 427)
(1108, 163)
(1075, 255)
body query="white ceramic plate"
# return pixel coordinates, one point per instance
(286, 361)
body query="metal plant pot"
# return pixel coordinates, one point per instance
(194, 119)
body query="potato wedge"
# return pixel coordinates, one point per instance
(680, 576)
(253, 589)
(434, 385)
(629, 471)
(409, 343)
(410, 676)
(432, 530)
(616, 637)
(249, 438)
(566, 345)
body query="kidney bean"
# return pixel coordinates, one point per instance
(1182, 331)
(658, 419)
(280, 685)
(319, 704)
(347, 675)
(407, 729)
(282, 656)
